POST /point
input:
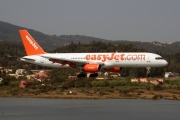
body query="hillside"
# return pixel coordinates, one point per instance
(9, 32)
(155, 47)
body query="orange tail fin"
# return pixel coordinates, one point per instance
(31, 46)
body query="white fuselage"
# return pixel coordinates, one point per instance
(107, 60)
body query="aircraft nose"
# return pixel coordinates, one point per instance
(165, 62)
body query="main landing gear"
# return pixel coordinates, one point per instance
(81, 75)
(89, 75)
(148, 71)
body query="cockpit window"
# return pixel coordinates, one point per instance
(158, 58)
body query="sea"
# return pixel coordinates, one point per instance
(88, 109)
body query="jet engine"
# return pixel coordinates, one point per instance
(92, 68)
(114, 69)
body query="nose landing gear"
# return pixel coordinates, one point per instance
(148, 71)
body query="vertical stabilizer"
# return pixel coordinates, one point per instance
(30, 45)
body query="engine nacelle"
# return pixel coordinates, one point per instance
(92, 68)
(114, 69)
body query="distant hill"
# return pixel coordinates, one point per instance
(9, 32)
(155, 47)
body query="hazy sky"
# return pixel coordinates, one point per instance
(135, 20)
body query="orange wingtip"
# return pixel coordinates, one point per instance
(30, 45)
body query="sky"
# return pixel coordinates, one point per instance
(134, 20)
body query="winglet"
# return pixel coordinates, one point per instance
(30, 45)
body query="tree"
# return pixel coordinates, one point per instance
(7, 79)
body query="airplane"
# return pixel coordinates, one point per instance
(89, 62)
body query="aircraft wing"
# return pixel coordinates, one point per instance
(70, 62)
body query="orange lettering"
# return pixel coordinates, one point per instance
(93, 57)
(128, 57)
(88, 57)
(99, 57)
(122, 56)
(110, 58)
(116, 57)
(104, 58)
(134, 57)
(141, 57)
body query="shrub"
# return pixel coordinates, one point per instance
(125, 90)
(68, 84)
(158, 87)
(100, 83)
